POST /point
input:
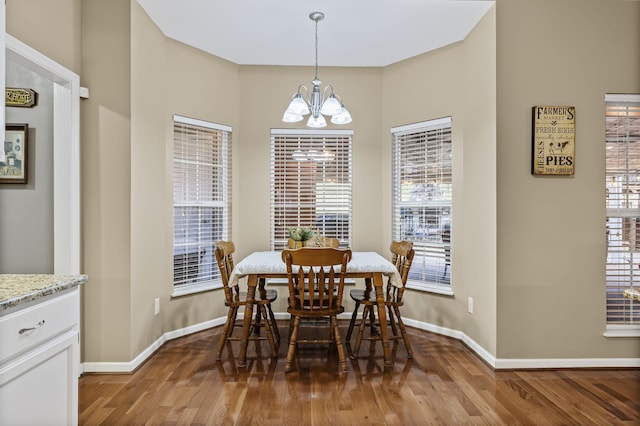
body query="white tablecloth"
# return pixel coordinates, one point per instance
(270, 262)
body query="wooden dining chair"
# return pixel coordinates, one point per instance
(402, 254)
(236, 299)
(315, 278)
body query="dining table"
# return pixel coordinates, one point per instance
(260, 266)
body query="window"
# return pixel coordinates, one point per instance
(310, 183)
(201, 201)
(422, 199)
(622, 133)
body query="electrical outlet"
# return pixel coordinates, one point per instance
(157, 306)
(470, 305)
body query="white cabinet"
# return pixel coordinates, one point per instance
(39, 359)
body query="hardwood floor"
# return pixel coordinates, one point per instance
(445, 384)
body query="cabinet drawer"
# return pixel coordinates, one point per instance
(33, 325)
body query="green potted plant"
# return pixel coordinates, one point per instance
(300, 235)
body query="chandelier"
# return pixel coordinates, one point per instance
(317, 102)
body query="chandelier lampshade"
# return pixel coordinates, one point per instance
(319, 102)
(343, 117)
(316, 122)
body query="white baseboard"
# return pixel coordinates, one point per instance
(128, 367)
(475, 347)
(496, 363)
(523, 364)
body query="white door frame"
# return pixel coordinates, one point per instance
(66, 152)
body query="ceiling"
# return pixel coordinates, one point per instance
(279, 32)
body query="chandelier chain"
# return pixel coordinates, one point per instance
(316, 48)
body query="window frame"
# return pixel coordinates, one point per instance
(222, 192)
(428, 206)
(307, 139)
(626, 220)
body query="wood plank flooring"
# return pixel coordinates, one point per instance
(445, 384)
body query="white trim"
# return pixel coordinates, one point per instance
(66, 152)
(310, 132)
(552, 363)
(3, 53)
(485, 355)
(186, 289)
(128, 367)
(474, 346)
(438, 122)
(621, 97)
(201, 123)
(525, 363)
(443, 289)
(622, 330)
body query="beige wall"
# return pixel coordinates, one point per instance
(477, 255)
(150, 195)
(168, 78)
(51, 27)
(551, 240)
(457, 81)
(522, 251)
(106, 180)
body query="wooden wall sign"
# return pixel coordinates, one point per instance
(553, 145)
(17, 97)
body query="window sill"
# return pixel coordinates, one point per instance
(622, 331)
(444, 290)
(187, 289)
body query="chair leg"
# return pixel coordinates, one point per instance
(274, 326)
(226, 332)
(363, 324)
(403, 330)
(352, 323)
(372, 321)
(256, 325)
(267, 326)
(293, 341)
(392, 321)
(339, 345)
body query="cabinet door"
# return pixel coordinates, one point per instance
(41, 387)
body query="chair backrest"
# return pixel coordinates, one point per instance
(224, 257)
(316, 278)
(402, 253)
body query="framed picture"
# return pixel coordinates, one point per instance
(554, 140)
(13, 155)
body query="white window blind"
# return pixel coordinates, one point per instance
(311, 183)
(422, 198)
(201, 201)
(622, 133)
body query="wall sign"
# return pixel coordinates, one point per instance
(553, 143)
(17, 97)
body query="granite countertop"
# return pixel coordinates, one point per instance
(16, 289)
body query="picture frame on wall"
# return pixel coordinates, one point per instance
(553, 140)
(13, 155)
